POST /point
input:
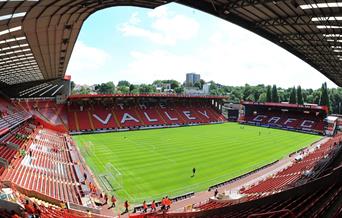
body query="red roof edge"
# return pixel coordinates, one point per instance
(284, 105)
(67, 77)
(76, 97)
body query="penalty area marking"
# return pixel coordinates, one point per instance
(106, 183)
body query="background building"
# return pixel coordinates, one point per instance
(192, 78)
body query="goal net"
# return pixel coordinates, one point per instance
(113, 178)
(89, 149)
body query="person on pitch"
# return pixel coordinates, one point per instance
(193, 172)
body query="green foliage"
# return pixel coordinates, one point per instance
(131, 88)
(198, 85)
(260, 93)
(299, 95)
(324, 100)
(179, 90)
(269, 94)
(215, 90)
(105, 88)
(262, 98)
(293, 98)
(336, 100)
(174, 83)
(135, 91)
(123, 83)
(84, 90)
(122, 90)
(202, 82)
(146, 89)
(275, 97)
(72, 85)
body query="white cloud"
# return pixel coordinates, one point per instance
(85, 62)
(158, 64)
(229, 57)
(134, 19)
(166, 28)
(159, 12)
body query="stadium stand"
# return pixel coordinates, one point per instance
(138, 113)
(11, 116)
(48, 169)
(285, 116)
(43, 163)
(44, 108)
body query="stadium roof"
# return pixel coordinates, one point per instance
(37, 36)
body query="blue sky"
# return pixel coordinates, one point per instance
(142, 45)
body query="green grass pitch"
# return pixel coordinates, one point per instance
(159, 162)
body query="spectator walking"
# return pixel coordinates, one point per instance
(113, 200)
(144, 207)
(153, 206)
(215, 193)
(126, 205)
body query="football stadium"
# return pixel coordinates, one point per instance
(166, 153)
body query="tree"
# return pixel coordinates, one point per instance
(84, 90)
(135, 91)
(146, 89)
(250, 98)
(123, 89)
(335, 97)
(131, 88)
(157, 82)
(213, 90)
(299, 95)
(198, 85)
(72, 85)
(179, 90)
(262, 97)
(268, 94)
(316, 96)
(275, 97)
(293, 99)
(258, 90)
(324, 100)
(260, 93)
(105, 88)
(247, 91)
(235, 94)
(123, 83)
(173, 83)
(202, 83)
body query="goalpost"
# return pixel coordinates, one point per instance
(113, 176)
(89, 148)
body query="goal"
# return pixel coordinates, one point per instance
(113, 177)
(89, 148)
